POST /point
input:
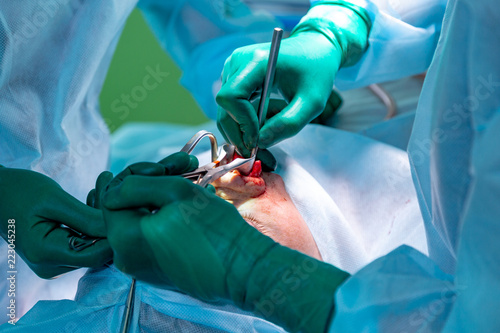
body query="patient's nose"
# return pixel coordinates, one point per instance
(234, 186)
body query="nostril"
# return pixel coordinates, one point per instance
(256, 170)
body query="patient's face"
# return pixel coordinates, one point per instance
(264, 203)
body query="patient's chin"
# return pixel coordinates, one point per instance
(264, 203)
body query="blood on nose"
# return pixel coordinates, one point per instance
(257, 167)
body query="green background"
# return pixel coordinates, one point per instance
(168, 102)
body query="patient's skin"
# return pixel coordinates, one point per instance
(264, 203)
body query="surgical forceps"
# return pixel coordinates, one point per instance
(78, 241)
(223, 161)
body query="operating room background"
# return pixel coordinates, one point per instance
(136, 52)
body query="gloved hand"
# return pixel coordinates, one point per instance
(39, 207)
(95, 195)
(333, 34)
(201, 245)
(174, 164)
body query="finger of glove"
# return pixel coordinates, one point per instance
(146, 192)
(232, 133)
(267, 159)
(141, 168)
(334, 101)
(65, 209)
(58, 250)
(100, 186)
(332, 105)
(275, 106)
(102, 180)
(211, 189)
(91, 198)
(179, 163)
(234, 97)
(290, 121)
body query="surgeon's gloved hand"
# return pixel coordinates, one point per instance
(95, 195)
(174, 164)
(333, 34)
(172, 233)
(39, 206)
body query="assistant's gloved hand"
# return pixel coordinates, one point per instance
(174, 164)
(332, 34)
(95, 195)
(201, 245)
(39, 207)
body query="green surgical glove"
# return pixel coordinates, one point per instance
(333, 34)
(199, 244)
(174, 164)
(39, 207)
(95, 195)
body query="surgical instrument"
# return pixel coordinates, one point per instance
(193, 142)
(223, 161)
(78, 241)
(266, 88)
(385, 98)
(129, 306)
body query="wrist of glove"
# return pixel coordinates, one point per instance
(345, 25)
(281, 285)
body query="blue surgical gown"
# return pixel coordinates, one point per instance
(456, 173)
